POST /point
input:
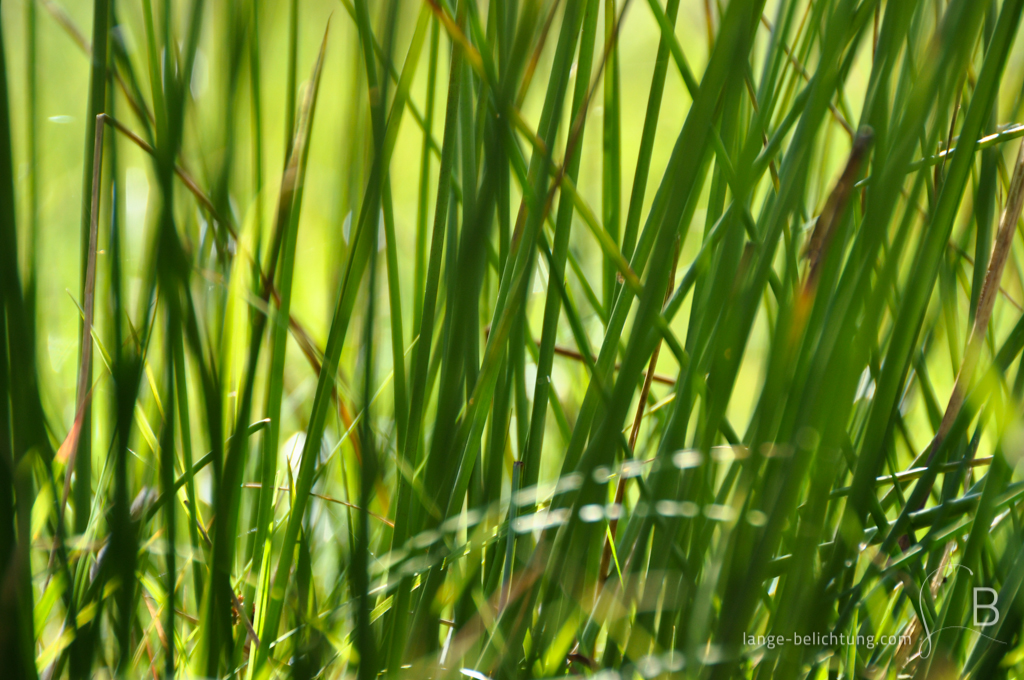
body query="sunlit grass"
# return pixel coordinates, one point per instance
(520, 338)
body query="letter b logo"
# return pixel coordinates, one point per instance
(991, 605)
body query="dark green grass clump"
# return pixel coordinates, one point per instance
(511, 339)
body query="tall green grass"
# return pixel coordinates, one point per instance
(559, 338)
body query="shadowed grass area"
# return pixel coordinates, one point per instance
(560, 338)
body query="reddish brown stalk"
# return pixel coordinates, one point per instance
(186, 179)
(531, 66)
(913, 632)
(764, 135)
(620, 490)
(710, 22)
(1002, 291)
(807, 77)
(306, 343)
(874, 33)
(939, 167)
(61, 17)
(154, 617)
(385, 520)
(987, 298)
(817, 246)
(986, 302)
(835, 207)
(456, 34)
(69, 448)
(573, 354)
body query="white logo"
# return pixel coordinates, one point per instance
(926, 648)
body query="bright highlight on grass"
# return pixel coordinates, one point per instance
(505, 339)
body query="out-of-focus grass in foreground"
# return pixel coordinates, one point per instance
(511, 339)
